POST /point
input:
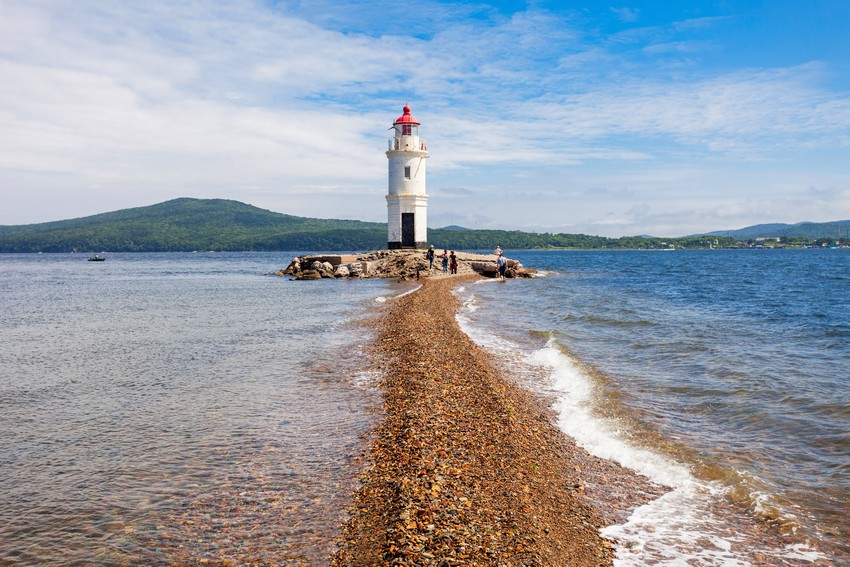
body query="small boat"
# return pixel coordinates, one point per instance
(97, 258)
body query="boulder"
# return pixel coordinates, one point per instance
(369, 267)
(489, 269)
(309, 275)
(293, 268)
(342, 271)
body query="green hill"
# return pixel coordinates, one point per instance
(804, 230)
(218, 224)
(185, 224)
(192, 224)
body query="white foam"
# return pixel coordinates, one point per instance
(408, 292)
(489, 341)
(678, 529)
(675, 531)
(803, 552)
(384, 298)
(576, 392)
(367, 378)
(471, 304)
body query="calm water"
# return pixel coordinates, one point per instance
(722, 374)
(166, 408)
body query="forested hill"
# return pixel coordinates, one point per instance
(224, 225)
(192, 224)
(812, 230)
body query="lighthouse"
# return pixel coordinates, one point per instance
(407, 202)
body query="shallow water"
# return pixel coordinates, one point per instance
(168, 408)
(164, 408)
(722, 374)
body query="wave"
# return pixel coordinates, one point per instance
(696, 522)
(576, 393)
(385, 298)
(693, 523)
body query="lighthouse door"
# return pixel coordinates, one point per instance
(408, 235)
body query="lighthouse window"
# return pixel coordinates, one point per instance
(406, 129)
(407, 172)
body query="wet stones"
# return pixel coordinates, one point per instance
(394, 264)
(465, 469)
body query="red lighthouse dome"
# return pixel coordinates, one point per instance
(406, 117)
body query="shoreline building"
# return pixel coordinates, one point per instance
(407, 202)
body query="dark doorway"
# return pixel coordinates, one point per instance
(408, 234)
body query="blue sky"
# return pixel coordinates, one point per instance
(663, 118)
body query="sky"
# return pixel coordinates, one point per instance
(615, 119)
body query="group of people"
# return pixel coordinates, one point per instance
(449, 261)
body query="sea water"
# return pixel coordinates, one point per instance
(175, 408)
(721, 374)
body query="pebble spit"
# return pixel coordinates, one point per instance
(467, 468)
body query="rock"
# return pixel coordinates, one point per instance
(399, 265)
(309, 275)
(488, 269)
(293, 268)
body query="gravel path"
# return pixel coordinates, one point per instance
(466, 468)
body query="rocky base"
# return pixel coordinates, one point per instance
(395, 264)
(467, 468)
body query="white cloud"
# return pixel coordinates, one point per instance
(114, 104)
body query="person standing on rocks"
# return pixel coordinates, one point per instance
(445, 258)
(502, 263)
(453, 262)
(430, 255)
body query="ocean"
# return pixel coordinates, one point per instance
(722, 374)
(168, 408)
(174, 408)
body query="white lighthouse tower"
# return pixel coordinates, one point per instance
(407, 203)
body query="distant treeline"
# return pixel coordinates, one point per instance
(184, 225)
(516, 240)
